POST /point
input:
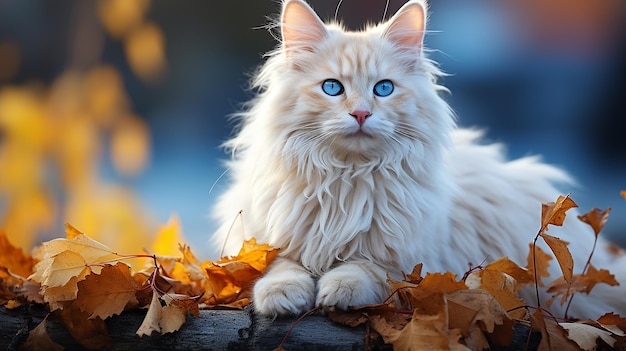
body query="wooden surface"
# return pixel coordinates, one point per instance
(215, 330)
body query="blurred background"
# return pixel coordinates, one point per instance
(112, 111)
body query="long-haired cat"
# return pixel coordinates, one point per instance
(351, 163)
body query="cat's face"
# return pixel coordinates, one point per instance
(356, 92)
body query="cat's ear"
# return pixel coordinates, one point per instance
(301, 28)
(406, 28)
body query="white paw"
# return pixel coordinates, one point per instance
(284, 293)
(350, 285)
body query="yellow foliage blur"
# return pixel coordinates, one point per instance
(53, 140)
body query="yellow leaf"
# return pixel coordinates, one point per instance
(55, 296)
(64, 266)
(89, 249)
(168, 238)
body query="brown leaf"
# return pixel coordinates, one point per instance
(427, 296)
(542, 263)
(423, 332)
(106, 294)
(562, 254)
(90, 333)
(476, 312)
(415, 276)
(596, 218)
(613, 320)
(348, 318)
(558, 337)
(554, 212)
(580, 283)
(503, 288)
(623, 193)
(38, 339)
(538, 323)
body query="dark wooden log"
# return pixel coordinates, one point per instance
(213, 330)
(216, 330)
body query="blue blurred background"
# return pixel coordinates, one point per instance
(542, 76)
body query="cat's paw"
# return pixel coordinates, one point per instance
(284, 291)
(350, 285)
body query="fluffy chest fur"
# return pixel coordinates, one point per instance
(360, 211)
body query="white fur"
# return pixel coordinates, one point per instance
(346, 205)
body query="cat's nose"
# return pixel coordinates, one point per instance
(360, 115)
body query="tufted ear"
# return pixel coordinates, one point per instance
(301, 28)
(406, 27)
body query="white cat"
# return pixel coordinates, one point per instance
(350, 162)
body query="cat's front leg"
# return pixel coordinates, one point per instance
(352, 284)
(286, 288)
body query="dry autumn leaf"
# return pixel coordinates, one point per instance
(106, 294)
(476, 312)
(596, 218)
(613, 322)
(151, 321)
(580, 283)
(38, 339)
(423, 332)
(538, 262)
(90, 333)
(587, 336)
(554, 212)
(230, 278)
(14, 258)
(562, 254)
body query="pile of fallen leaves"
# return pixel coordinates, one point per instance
(83, 282)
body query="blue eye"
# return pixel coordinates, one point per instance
(332, 87)
(383, 88)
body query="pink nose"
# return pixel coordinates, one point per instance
(360, 115)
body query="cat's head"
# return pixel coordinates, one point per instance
(370, 93)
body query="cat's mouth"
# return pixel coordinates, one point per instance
(360, 133)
